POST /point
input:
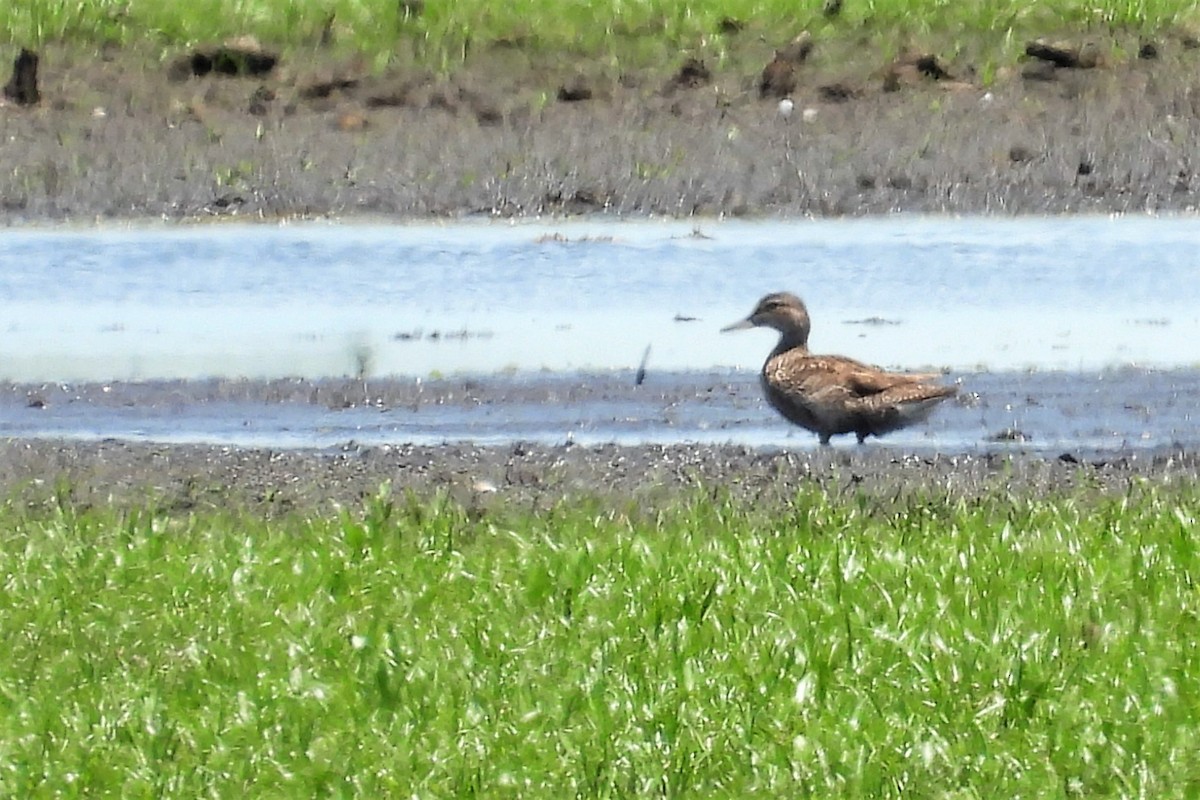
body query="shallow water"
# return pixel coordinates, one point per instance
(1044, 412)
(322, 299)
(1077, 300)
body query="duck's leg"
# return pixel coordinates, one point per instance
(825, 439)
(862, 436)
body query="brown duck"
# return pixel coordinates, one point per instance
(829, 395)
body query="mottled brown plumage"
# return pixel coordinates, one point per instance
(830, 395)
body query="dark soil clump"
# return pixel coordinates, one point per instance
(22, 88)
(232, 60)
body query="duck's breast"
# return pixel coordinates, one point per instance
(808, 394)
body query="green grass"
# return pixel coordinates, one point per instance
(444, 32)
(1005, 648)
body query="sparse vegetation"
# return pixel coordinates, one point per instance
(414, 647)
(445, 33)
(421, 110)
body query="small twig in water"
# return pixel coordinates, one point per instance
(641, 370)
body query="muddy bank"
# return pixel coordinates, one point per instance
(524, 476)
(122, 135)
(521, 474)
(1088, 416)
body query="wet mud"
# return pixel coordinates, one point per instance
(494, 467)
(537, 477)
(826, 130)
(1087, 414)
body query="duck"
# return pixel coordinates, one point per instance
(830, 394)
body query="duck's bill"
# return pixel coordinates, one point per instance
(740, 325)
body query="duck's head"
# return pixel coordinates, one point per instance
(782, 311)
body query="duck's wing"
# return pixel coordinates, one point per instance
(889, 389)
(859, 379)
(879, 386)
(838, 379)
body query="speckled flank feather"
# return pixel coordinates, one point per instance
(831, 395)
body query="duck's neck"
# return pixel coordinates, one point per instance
(791, 340)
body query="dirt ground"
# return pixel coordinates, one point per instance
(120, 134)
(536, 477)
(518, 475)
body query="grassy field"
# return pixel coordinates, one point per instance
(445, 31)
(1032, 648)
